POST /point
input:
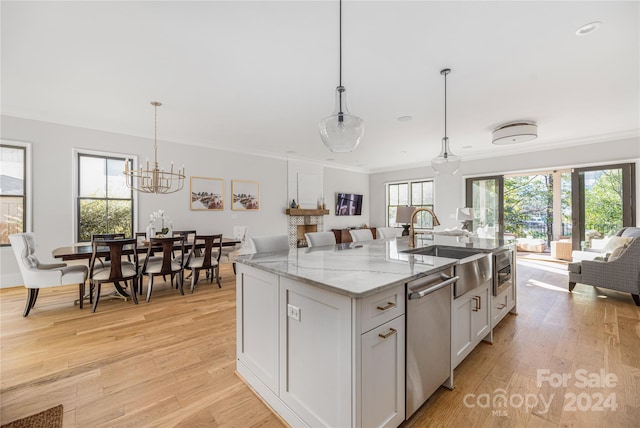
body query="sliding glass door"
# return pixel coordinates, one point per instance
(603, 201)
(485, 196)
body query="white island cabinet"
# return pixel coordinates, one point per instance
(321, 358)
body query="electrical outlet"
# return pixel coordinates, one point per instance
(293, 312)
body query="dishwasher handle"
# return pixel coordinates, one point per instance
(422, 293)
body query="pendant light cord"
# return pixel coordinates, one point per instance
(445, 105)
(340, 41)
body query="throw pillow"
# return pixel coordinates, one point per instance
(617, 252)
(615, 242)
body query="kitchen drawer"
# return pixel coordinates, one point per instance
(381, 307)
(500, 305)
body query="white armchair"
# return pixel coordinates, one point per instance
(38, 275)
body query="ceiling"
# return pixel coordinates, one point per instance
(258, 76)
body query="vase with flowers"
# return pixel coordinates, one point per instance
(166, 226)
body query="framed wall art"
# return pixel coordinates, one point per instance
(245, 195)
(207, 194)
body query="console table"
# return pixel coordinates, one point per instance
(343, 235)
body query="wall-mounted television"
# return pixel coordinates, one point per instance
(348, 204)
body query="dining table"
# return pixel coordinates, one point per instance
(84, 250)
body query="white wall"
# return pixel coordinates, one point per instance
(53, 202)
(340, 181)
(449, 190)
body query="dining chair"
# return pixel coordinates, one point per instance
(271, 243)
(231, 254)
(167, 264)
(386, 232)
(36, 275)
(319, 239)
(209, 260)
(188, 235)
(359, 235)
(103, 237)
(117, 271)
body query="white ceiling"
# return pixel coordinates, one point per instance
(258, 76)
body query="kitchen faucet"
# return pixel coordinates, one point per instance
(412, 232)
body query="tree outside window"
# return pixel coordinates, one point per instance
(413, 193)
(13, 194)
(105, 203)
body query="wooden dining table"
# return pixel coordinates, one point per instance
(84, 250)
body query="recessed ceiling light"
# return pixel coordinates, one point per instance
(404, 118)
(588, 28)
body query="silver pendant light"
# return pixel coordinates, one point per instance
(341, 132)
(446, 163)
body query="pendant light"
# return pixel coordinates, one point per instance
(341, 132)
(153, 179)
(446, 163)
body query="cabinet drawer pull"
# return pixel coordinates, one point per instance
(476, 305)
(389, 306)
(392, 331)
(501, 306)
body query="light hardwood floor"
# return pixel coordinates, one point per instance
(171, 362)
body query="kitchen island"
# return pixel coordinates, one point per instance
(321, 331)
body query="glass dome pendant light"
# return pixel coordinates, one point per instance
(341, 132)
(446, 163)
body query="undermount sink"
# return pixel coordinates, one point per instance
(473, 270)
(442, 251)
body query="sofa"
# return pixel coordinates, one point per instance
(620, 271)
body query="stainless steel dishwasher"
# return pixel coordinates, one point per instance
(428, 336)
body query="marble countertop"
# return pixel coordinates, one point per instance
(360, 269)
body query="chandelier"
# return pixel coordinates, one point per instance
(153, 179)
(446, 162)
(341, 132)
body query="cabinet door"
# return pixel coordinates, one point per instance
(257, 323)
(462, 340)
(480, 319)
(316, 354)
(382, 387)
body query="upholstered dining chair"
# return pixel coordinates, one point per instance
(107, 236)
(167, 264)
(36, 275)
(231, 254)
(209, 260)
(117, 271)
(267, 244)
(386, 232)
(319, 239)
(359, 235)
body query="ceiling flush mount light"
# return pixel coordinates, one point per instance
(153, 179)
(588, 28)
(515, 133)
(446, 162)
(341, 132)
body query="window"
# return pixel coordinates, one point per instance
(104, 202)
(414, 193)
(14, 190)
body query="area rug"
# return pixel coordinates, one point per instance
(50, 418)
